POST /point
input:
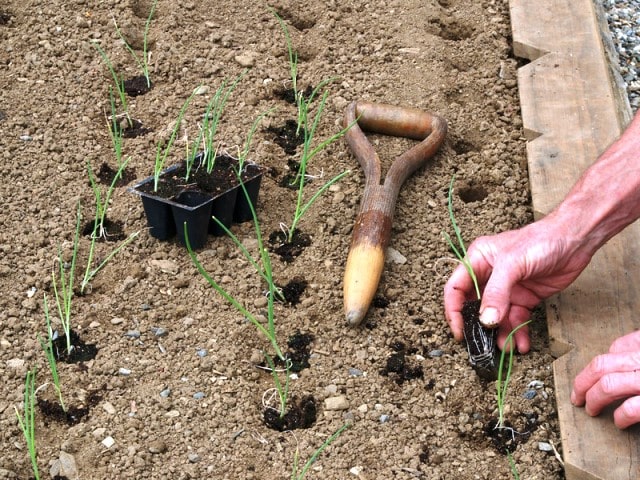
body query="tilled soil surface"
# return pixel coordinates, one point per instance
(175, 390)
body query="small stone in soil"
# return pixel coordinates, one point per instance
(529, 394)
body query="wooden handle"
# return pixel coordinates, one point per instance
(372, 231)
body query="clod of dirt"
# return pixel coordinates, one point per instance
(481, 342)
(5, 18)
(398, 367)
(137, 86)
(289, 250)
(80, 351)
(293, 290)
(287, 136)
(300, 414)
(380, 302)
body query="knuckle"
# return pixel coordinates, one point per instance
(599, 365)
(608, 384)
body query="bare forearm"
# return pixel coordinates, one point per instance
(607, 197)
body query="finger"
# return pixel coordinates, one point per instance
(611, 387)
(458, 289)
(628, 413)
(628, 343)
(496, 297)
(599, 367)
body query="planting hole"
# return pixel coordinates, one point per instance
(473, 193)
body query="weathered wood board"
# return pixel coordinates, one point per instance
(571, 112)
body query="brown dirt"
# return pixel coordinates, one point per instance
(452, 57)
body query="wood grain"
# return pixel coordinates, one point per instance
(572, 110)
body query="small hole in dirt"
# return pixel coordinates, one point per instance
(507, 438)
(461, 146)
(106, 174)
(474, 193)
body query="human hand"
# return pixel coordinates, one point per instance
(610, 377)
(516, 270)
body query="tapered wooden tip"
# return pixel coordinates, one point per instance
(361, 277)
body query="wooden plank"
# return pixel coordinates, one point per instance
(571, 112)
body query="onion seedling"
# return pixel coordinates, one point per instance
(144, 62)
(118, 82)
(263, 268)
(503, 383)
(27, 420)
(51, 357)
(307, 154)
(293, 69)
(98, 224)
(299, 475)
(460, 250)
(161, 155)
(89, 272)
(63, 283)
(209, 127)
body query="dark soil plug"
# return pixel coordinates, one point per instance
(380, 301)
(481, 342)
(300, 414)
(113, 231)
(80, 351)
(287, 136)
(135, 129)
(289, 96)
(137, 86)
(507, 438)
(399, 368)
(5, 18)
(293, 290)
(106, 174)
(289, 250)
(53, 411)
(300, 344)
(290, 179)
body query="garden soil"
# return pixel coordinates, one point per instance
(175, 390)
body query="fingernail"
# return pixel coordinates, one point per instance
(490, 317)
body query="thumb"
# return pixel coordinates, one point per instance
(496, 299)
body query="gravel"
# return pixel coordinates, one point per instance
(623, 17)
